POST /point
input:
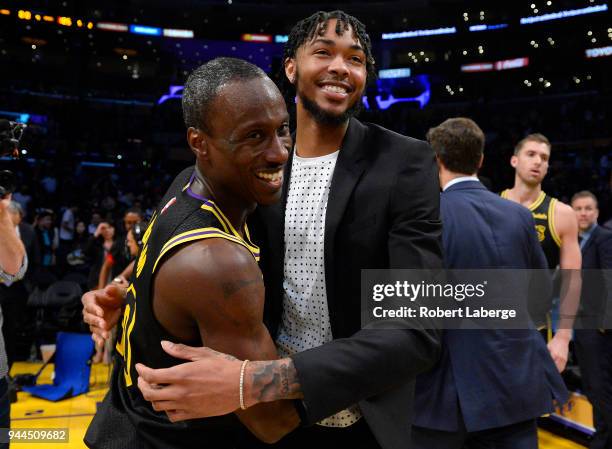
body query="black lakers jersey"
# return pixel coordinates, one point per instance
(543, 211)
(182, 217)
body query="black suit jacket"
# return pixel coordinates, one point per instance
(596, 295)
(382, 212)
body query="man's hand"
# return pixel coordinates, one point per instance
(559, 348)
(102, 310)
(207, 386)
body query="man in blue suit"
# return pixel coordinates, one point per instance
(593, 342)
(490, 385)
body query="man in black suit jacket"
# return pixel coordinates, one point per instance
(355, 196)
(592, 341)
(489, 385)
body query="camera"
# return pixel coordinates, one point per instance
(10, 135)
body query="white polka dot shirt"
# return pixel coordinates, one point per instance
(305, 321)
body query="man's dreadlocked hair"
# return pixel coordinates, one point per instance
(305, 30)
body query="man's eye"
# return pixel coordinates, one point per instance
(255, 135)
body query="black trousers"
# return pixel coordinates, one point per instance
(522, 435)
(594, 353)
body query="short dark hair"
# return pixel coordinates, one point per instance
(204, 83)
(535, 137)
(305, 30)
(584, 194)
(458, 143)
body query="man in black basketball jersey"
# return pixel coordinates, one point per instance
(556, 224)
(197, 278)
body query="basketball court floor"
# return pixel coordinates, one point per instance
(76, 413)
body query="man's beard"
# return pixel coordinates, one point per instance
(326, 118)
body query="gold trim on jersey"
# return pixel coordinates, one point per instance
(551, 221)
(537, 202)
(228, 224)
(199, 234)
(218, 214)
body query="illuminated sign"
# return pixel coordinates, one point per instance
(563, 14)
(256, 38)
(112, 26)
(394, 73)
(488, 27)
(173, 92)
(478, 67)
(281, 38)
(419, 33)
(505, 64)
(599, 52)
(148, 31)
(184, 34)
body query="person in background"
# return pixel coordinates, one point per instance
(48, 239)
(96, 218)
(116, 262)
(593, 341)
(555, 224)
(490, 385)
(13, 265)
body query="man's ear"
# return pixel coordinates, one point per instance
(290, 69)
(197, 142)
(514, 161)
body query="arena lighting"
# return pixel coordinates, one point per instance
(564, 14)
(394, 73)
(599, 52)
(64, 21)
(504, 64)
(173, 92)
(256, 38)
(112, 26)
(97, 164)
(146, 30)
(24, 15)
(419, 33)
(5, 12)
(172, 32)
(48, 18)
(488, 27)
(281, 38)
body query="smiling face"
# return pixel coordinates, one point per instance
(329, 73)
(531, 162)
(244, 152)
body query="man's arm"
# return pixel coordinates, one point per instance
(104, 273)
(12, 251)
(570, 264)
(213, 289)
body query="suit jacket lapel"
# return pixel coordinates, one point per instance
(349, 167)
(589, 242)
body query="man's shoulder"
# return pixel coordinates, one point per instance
(377, 132)
(603, 234)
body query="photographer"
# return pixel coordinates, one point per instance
(13, 261)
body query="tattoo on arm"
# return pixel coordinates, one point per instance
(229, 288)
(275, 380)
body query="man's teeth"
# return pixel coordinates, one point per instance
(270, 176)
(337, 89)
